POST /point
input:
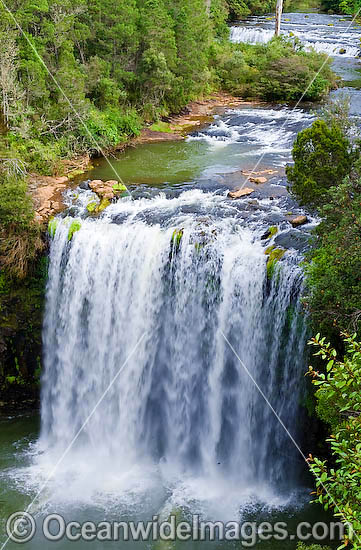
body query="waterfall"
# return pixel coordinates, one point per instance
(177, 275)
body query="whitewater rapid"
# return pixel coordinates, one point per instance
(333, 35)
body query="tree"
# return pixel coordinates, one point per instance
(279, 9)
(334, 263)
(322, 156)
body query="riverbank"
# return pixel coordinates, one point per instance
(47, 191)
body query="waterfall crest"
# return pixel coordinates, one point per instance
(183, 402)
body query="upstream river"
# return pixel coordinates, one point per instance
(166, 333)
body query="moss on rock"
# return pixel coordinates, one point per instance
(177, 238)
(274, 256)
(52, 227)
(74, 227)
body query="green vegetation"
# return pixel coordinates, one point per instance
(176, 239)
(120, 64)
(334, 264)
(276, 71)
(52, 227)
(274, 256)
(20, 240)
(322, 158)
(74, 227)
(304, 546)
(161, 127)
(326, 176)
(241, 8)
(339, 404)
(342, 6)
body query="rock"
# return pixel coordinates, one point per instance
(243, 192)
(84, 186)
(342, 51)
(258, 180)
(298, 220)
(61, 180)
(299, 240)
(271, 231)
(267, 172)
(108, 190)
(274, 256)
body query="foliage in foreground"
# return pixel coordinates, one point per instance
(339, 404)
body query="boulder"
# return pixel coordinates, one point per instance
(238, 193)
(108, 190)
(298, 221)
(258, 180)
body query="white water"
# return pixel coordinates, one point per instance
(183, 417)
(257, 131)
(325, 34)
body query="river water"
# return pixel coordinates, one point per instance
(166, 334)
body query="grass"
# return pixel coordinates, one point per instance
(161, 127)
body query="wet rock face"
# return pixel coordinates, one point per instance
(21, 305)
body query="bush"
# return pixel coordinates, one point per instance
(277, 71)
(322, 156)
(304, 546)
(338, 487)
(110, 127)
(334, 265)
(20, 239)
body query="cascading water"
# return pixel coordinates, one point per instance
(178, 275)
(332, 35)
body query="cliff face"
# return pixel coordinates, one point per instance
(21, 316)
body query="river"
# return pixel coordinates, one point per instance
(165, 325)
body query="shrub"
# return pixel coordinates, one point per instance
(339, 386)
(20, 239)
(110, 127)
(277, 71)
(322, 156)
(334, 265)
